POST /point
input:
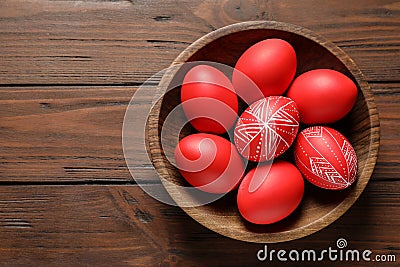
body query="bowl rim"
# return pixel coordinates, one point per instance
(155, 149)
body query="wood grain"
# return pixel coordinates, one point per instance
(125, 42)
(62, 133)
(387, 167)
(67, 72)
(122, 226)
(73, 134)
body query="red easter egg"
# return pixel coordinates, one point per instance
(323, 96)
(267, 68)
(209, 100)
(209, 162)
(325, 157)
(267, 128)
(269, 193)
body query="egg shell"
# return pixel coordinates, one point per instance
(325, 157)
(267, 68)
(323, 96)
(267, 128)
(209, 162)
(279, 191)
(209, 100)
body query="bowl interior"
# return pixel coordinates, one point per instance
(319, 207)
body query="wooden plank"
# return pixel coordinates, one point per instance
(121, 226)
(73, 134)
(387, 98)
(117, 42)
(367, 30)
(63, 133)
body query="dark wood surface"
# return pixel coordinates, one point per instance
(67, 72)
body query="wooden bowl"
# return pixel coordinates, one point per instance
(319, 207)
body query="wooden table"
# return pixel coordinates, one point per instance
(67, 72)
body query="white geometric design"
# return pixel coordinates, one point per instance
(313, 132)
(269, 124)
(350, 157)
(324, 169)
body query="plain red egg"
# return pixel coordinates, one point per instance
(209, 162)
(325, 157)
(323, 96)
(267, 128)
(267, 68)
(209, 100)
(269, 193)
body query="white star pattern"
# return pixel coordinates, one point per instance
(272, 122)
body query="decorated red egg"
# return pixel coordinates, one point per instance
(267, 68)
(269, 193)
(323, 96)
(325, 157)
(209, 162)
(267, 128)
(209, 100)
